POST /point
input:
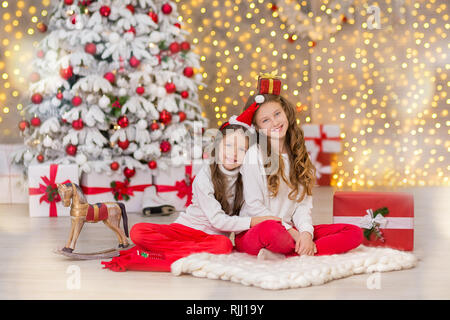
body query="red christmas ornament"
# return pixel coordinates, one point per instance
(166, 8)
(154, 16)
(165, 117)
(123, 144)
(343, 18)
(182, 116)
(90, 48)
(165, 146)
(36, 98)
(152, 164)
(140, 90)
(105, 11)
(184, 94)
(35, 122)
(111, 77)
(174, 47)
(23, 125)
(42, 27)
(131, 8)
(313, 44)
(170, 87)
(59, 95)
(68, 2)
(77, 124)
(114, 166)
(40, 54)
(185, 46)
(129, 172)
(123, 121)
(188, 72)
(71, 149)
(40, 158)
(76, 101)
(154, 126)
(66, 73)
(274, 7)
(35, 76)
(176, 24)
(134, 62)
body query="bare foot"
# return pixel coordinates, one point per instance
(265, 254)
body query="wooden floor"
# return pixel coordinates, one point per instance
(30, 270)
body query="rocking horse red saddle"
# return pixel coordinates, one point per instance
(97, 212)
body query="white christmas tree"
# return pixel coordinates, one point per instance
(113, 89)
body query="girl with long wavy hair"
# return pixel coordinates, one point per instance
(278, 178)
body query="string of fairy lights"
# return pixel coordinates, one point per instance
(387, 87)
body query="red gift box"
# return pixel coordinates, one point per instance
(269, 83)
(323, 168)
(386, 218)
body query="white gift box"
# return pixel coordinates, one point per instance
(322, 138)
(42, 180)
(172, 186)
(14, 186)
(97, 188)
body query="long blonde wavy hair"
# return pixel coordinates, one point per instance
(302, 172)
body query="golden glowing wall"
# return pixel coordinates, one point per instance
(387, 88)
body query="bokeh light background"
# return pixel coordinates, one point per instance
(387, 87)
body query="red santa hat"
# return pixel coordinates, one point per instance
(246, 117)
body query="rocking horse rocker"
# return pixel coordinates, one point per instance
(81, 211)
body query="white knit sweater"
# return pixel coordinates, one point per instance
(257, 201)
(205, 213)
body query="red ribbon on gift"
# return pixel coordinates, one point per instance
(183, 187)
(322, 136)
(53, 212)
(121, 188)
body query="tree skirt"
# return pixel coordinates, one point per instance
(293, 272)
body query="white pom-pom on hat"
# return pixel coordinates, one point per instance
(259, 99)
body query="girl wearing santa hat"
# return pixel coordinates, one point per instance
(205, 226)
(278, 178)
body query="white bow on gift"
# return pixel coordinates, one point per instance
(368, 221)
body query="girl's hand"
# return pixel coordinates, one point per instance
(304, 244)
(255, 220)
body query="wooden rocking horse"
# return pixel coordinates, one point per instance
(81, 211)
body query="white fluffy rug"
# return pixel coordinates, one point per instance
(293, 272)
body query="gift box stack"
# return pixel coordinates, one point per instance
(322, 143)
(386, 218)
(11, 177)
(44, 200)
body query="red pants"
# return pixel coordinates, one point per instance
(270, 234)
(159, 245)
